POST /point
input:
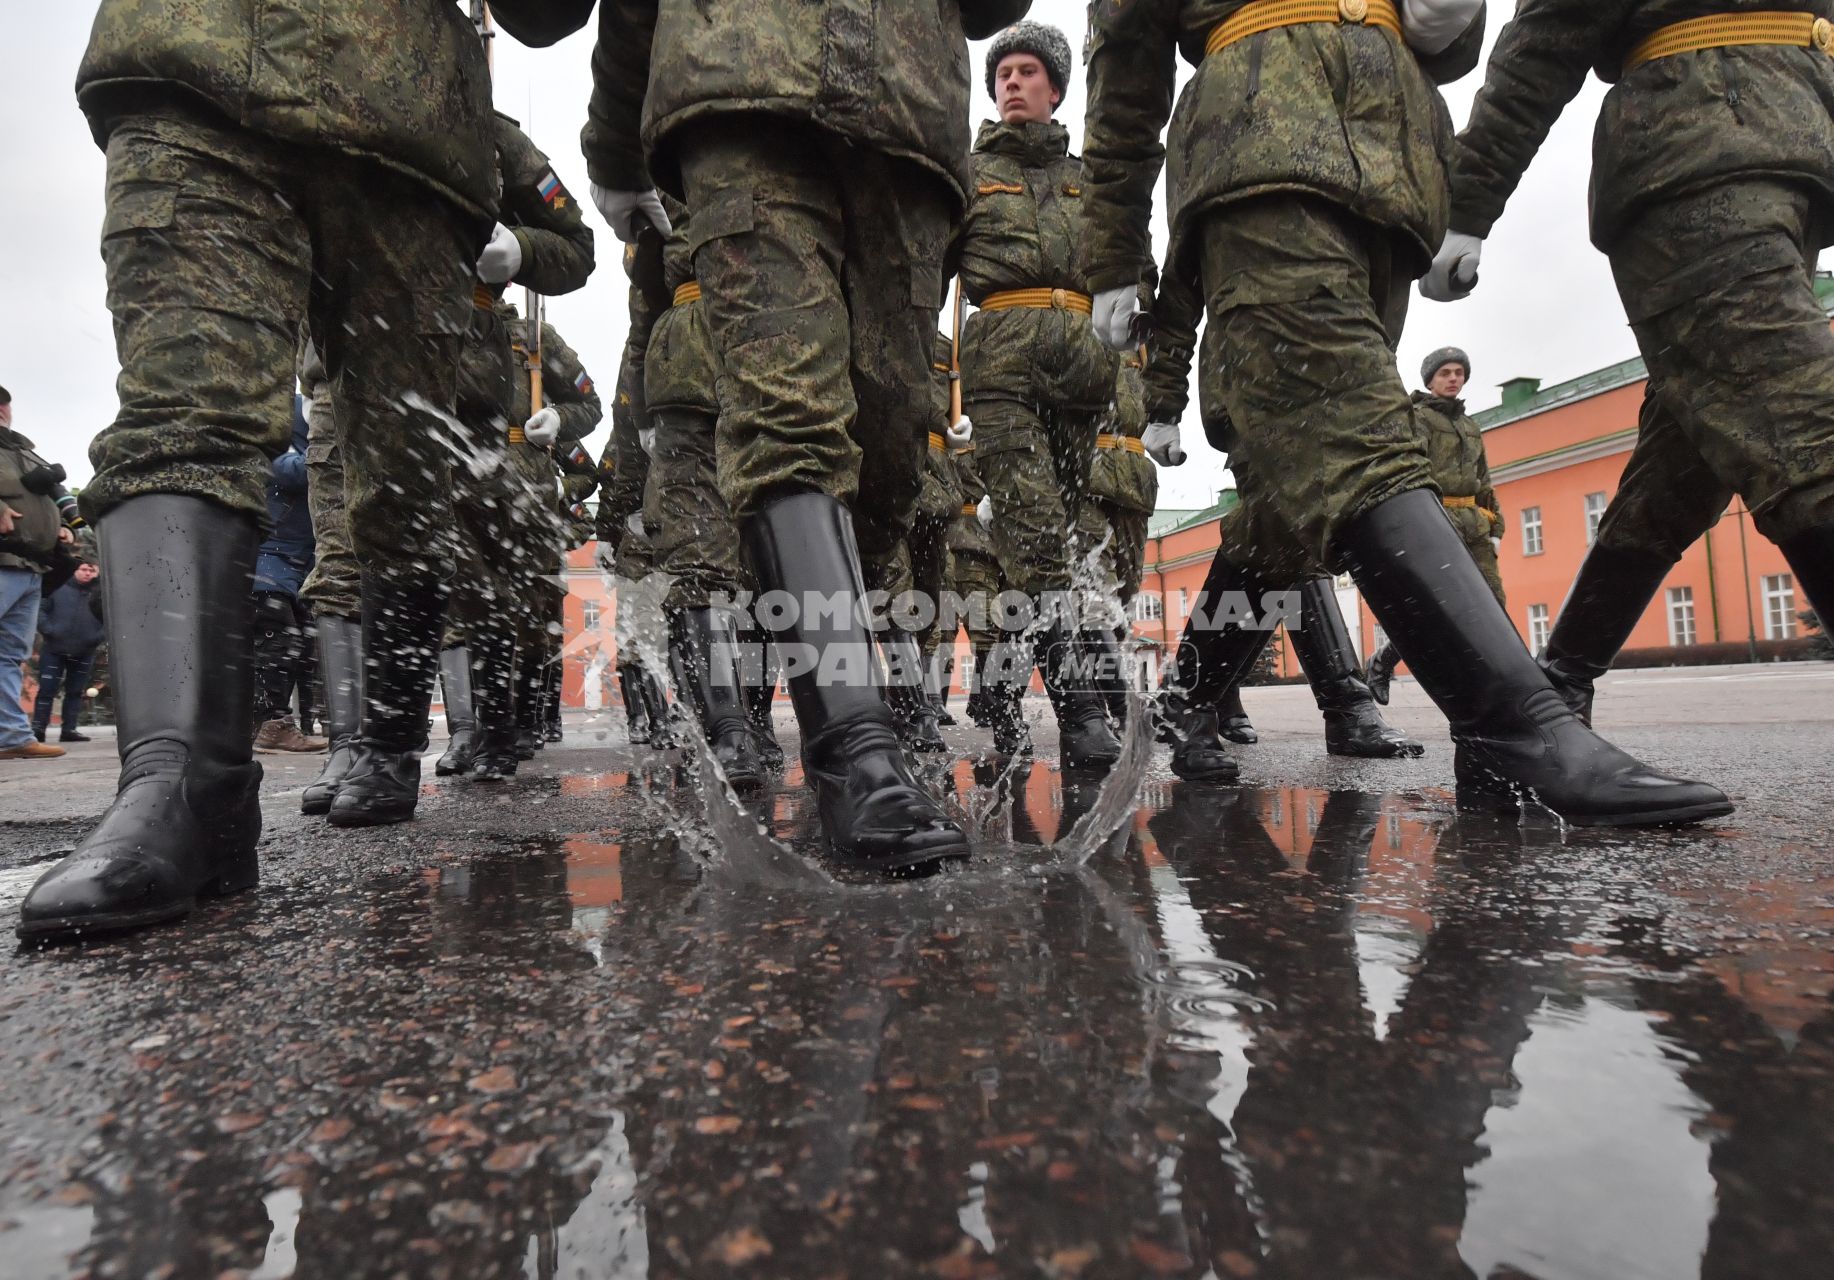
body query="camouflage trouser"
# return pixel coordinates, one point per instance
(1129, 528)
(929, 545)
(1097, 552)
(696, 540)
(1304, 305)
(1719, 287)
(1036, 468)
(641, 624)
(820, 265)
(219, 243)
(976, 579)
(1473, 526)
(334, 586)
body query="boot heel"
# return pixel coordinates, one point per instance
(242, 873)
(1480, 791)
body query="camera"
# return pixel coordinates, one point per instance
(45, 479)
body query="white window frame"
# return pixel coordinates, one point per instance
(1682, 628)
(1147, 607)
(1540, 626)
(1533, 542)
(1595, 514)
(591, 614)
(1779, 606)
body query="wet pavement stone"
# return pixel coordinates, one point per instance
(597, 1024)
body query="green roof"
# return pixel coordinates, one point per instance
(1168, 520)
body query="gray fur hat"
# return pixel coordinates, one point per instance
(1040, 39)
(1440, 359)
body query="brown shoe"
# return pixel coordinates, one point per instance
(284, 735)
(32, 751)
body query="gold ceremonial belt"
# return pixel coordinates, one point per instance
(971, 509)
(1128, 443)
(1468, 502)
(937, 442)
(1267, 15)
(517, 436)
(482, 298)
(1044, 299)
(1726, 30)
(686, 293)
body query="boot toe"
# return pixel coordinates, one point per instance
(1205, 765)
(88, 894)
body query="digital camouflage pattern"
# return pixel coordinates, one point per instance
(209, 295)
(1713, 194)
(548, 223)
(623, 466)
(333, 587)
(1347, 113)
(1672, 127)
(403, 82)
(1023, 230)
(1123, 492)
(892, 79)
(1037, 471)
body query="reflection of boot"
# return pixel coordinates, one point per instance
(1232, 720)
(383, 785)
(911, 711)
(1380, 673)
(1511, 732)
(461, 712)
(1602, 609)
(874, 812)
(1353, 724)
(1071, 677)
(340, 660)
(636, 709)
(703, 644)
(186, 817)
(495, 692)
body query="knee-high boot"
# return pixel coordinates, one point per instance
(703, 646)
(340, 662)
(383, 785)
(1353, 724)
(461, 711)
(1603, 607)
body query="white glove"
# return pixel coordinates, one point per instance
(1432, 25)
(502, 257)
(646, 440)
(1162, 444)
(1453, 274)
(543, 428)
(620, 207)
(1115, 310)
(983, 511)
(634, 523)
(607, 558)
(961, 433)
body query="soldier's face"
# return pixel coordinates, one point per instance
(1448, 382)
(1024, 89)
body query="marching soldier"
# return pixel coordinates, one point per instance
(1456, 443)
(1307, 186)
(1712, 195)
(502, 499)
(262, 174)
(1036, 379)
(823, 155)
(974, 577)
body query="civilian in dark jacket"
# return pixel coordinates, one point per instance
(281, 621)
(72, 633)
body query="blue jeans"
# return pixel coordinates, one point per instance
(19, 596)
(71, 670)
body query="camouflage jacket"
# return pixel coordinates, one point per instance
(965, 532)
(1455, 448)
(556, 243)
(681, 366)
(1119, 476)
(938, 498)
(579, 479)
(1673, 125)
(894, 77)
(623, 467)
(566, 388)
(1022, 229)
(400, 81)
(1347, 113)
(1178, 310)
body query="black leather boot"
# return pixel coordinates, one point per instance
(1004, 676)
(1379, 675)
(979, 712)
(530, 672)
(1232, 722)
(1606, 602)
(1353, 724)
(340, 661)
(759, 699)
(656, 702)
(1214, 653)
(494, 675)
(636, 710)
(1811, 559)
(1512, 734)
(551, 729)
(873, 810)
(383, 785)
(461, 711)
(911, 709)
(1198, 754)
(187, 812)
(1075, 682)
(703, 645)
(938, 675)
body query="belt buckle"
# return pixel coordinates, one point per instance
(1060, 300)
(1353, 10)
(1822, 33)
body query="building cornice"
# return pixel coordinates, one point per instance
(1571, 455)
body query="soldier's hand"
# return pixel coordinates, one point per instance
(634, 523)
(502, 257)
(962, 432)
(607, 556)
(646, 441)
(544, 427)
(622, 208)
(1163, 444)
(983, 511)
(1117, 317)
(7, 516)
(1432, 25)
(1453, 274)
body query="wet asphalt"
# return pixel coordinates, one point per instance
(600, 1023)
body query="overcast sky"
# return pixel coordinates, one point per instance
(1546, 308)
